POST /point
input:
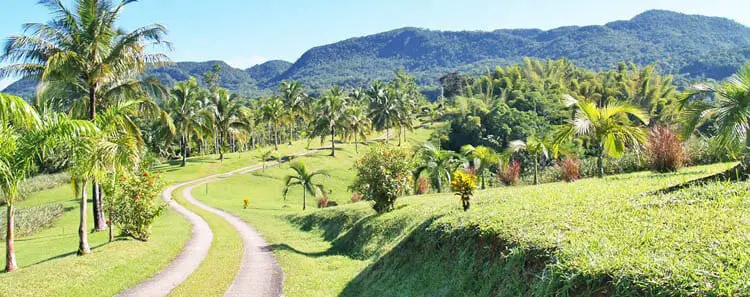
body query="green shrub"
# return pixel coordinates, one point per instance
(383, 174)
(703, 150)
(631, 161)
(30, 220)
(136, 206)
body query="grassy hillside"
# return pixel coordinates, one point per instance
(596, 237)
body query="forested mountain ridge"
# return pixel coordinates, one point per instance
(692, 46)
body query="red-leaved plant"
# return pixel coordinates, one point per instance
(510, 174)
(356, 197)
(322, 202)
(570, 169)
(423, 185)
(665, 150)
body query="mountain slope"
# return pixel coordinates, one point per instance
(688, 45)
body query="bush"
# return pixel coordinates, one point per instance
(356, 197)
(383, 174)
(246, 203)
(30, 220)
(570, 169)
(323, 202)
(135, 208)
(631, 161)
(464, 184)
(423, 185)
(665, 150)
(510, 174)
(702, 150)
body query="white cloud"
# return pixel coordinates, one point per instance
(5, 83)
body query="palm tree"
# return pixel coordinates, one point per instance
(537, 148)
(20, 143)
(82, 58)
(330, 111)
(272, 112)
(357, 124)
(436, 163)
(188, 113)
(610, 128)
(265, 155)
(730, 112)
(303, 178)
(383, 108)
(481, 158)
(296, 103)
(226, 113)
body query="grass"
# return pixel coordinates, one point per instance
(595, 237)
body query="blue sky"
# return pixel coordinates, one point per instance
(247, 32)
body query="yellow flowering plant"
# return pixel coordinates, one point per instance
(464, 184)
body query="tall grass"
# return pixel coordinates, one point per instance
(666, 152)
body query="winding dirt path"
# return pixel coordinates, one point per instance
(259, 274)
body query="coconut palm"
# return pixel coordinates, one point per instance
(436, 163)
(537, 148)
(20, 143)
(272, 112)
(610, 128)
(383, 108)
(357, 124)
(330, 116)
(188, 113)
(304, 179)
(226, 112)
(296, 103)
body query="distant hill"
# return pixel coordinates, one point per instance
(693, 46)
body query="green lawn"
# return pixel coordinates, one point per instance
(594, 237)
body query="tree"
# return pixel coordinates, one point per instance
(226, 112)
(272, 112)
(295, 102)
(304, 179)
(189, 115)
(730, 111)
(383, 110)
(537, 148)
(83, 55)
(24, 135)
(330, 113)
(357, 124)
(482, 158)
(265, 155)
(609, 128)
(436, 163)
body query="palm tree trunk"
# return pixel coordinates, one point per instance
(183, 150)
(536, 170)
(600, 165)
(10, 245)
(399, 136)
(291, 132)
(304, 199)
(96, 191)
(356, 144)
(333, 142)
(83, 242)
(276, 138)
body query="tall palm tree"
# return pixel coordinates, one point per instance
(20, 143)
(82, 58)
(436, 163)
(609, 128)
(272, 111)
(383, 107)
(304, 179)
(226, 113)
(296, 103)
(357, 124)
(189, 115)
(330, 113)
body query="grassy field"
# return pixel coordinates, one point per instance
(596, 237)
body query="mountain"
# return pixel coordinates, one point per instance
(692, 46)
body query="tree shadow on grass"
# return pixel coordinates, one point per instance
(60, 256)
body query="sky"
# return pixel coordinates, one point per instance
(247, 32)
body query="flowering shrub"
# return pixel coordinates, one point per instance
(135, 207)
(383, 174)
(464, 184)
(423, 185)
(570, 169)
(246, 203)
(510, 174)
(323, 202)
(665, 150)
